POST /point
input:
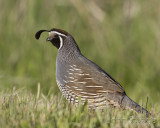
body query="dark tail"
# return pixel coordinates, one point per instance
(126, 102)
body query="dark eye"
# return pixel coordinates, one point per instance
(56, 36)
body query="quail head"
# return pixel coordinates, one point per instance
(77, 76)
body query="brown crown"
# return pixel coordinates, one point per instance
(60, 31)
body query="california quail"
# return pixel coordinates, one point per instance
(77, 76)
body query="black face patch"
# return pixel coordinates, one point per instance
(56, 41)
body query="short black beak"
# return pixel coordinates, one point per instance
(48, 39)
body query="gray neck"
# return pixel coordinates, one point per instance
(69, 51)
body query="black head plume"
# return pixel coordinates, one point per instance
(38, 34)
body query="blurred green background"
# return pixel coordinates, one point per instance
(123, 37)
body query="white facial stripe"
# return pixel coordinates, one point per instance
(57, 33)
(61, 41)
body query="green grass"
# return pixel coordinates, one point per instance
(120, 36)
(20, 108)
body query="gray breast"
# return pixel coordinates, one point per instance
(62, 78)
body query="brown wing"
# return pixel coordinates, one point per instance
(92, 84)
